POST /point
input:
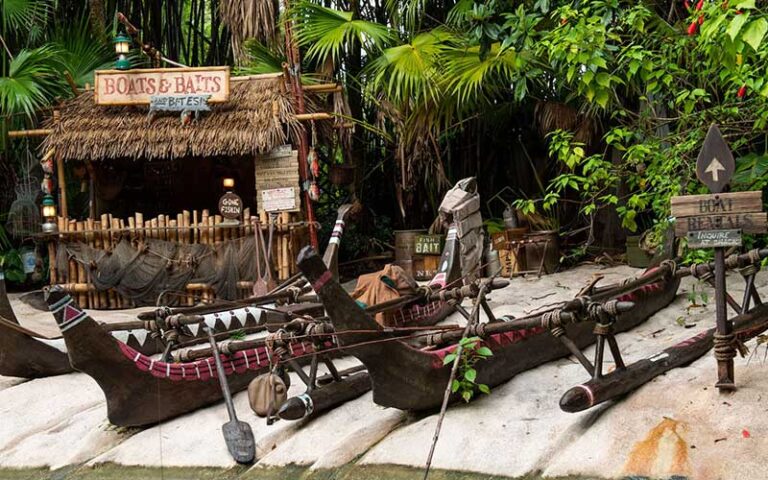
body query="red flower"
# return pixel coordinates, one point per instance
(701, 20)
(742, 91)
(692, 27)
(745, 433)
(687, 4)
(700, 5)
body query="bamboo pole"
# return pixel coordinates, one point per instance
(37, 132)
(91, 237)
(98, 297)
(306, 117)
(219, 232)
(204, 230)
(140, 225)
(62, 185)
(82, 299)
(185, 216)
(195, 229)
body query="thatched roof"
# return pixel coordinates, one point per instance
(257, 118)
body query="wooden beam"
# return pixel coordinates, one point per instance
(40, 132)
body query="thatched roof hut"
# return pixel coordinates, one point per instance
(257, 118)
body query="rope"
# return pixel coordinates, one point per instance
(725, 346)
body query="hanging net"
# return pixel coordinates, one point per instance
(143, 271)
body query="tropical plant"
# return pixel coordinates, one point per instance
(33, 81)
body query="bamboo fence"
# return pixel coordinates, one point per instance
(187, 227)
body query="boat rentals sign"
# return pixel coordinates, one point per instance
(139, 86)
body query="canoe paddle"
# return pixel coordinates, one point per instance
(259, 285)
(237, 435)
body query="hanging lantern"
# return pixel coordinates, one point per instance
(229, 183)
(122, 46)
(49, 215)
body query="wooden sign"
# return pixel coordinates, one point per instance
(279, 199)
(136, 87)
(715, 164)
(231, 206)
(719, 211)
(278, 170)
(714, 238)
(179, 103)
(429, 244)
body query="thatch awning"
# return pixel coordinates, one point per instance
(257, 118)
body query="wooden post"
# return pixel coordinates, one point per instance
(62, 185)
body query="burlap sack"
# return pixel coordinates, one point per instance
(266, 394)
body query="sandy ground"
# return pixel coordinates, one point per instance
(678, 425)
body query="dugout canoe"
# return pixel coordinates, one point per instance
(26, 353)
(21, 353)
(408, 378)
(140, 390)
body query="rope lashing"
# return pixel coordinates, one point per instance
(725, 346)
(750, 269)
(706, 275)
(671, 265)
(553, 322)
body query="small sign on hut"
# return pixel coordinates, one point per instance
(138, 86)
(277, 180)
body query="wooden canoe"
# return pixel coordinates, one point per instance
(412, 379)
(140, 390)
(26, 353)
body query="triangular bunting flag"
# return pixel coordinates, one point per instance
(241, 314)
(226, 319)
(194, 328)
(140, 334)
(210, 321)
(121, 335)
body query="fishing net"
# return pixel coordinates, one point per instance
(142, 271)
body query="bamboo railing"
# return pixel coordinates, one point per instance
(187, 227)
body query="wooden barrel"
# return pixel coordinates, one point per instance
(405, 241)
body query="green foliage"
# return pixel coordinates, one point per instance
(33, 81)
(326, 32)
(472, 351)
(12, 266)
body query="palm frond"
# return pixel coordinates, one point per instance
(33, 82)
(80, 52)
(28, 16)
(471, 78)
(327, 31)
(410, 72)
(260, 59)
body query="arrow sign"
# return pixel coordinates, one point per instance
(715, 164)
(714, 169)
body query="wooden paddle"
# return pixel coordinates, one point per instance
(259, 285)
(237, 435)
(266, 250)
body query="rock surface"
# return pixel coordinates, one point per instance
(676, 425)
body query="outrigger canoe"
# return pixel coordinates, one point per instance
(409, 378)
